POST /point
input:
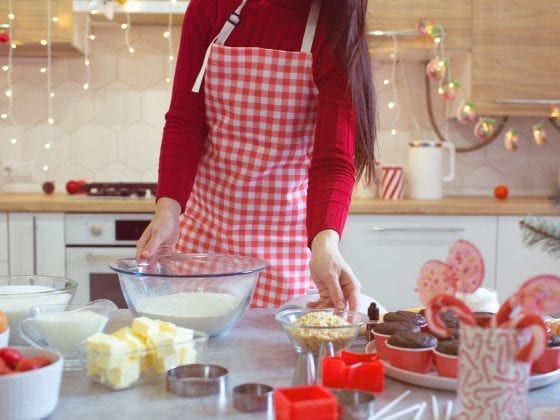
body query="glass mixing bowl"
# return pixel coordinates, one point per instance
(205, 292)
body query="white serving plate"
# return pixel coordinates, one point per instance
(434, 381)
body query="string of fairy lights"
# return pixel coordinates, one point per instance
(439, 69)
(6, 36)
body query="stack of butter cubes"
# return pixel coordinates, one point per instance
(147, 348)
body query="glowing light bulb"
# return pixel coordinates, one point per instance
(437, 40)
(392, 56)
(13, 140)
(50, 121)
(171, 58)
(45, 168)
(8, 93)
(13, 46)
(85, 86)
(166, 34)
(43, 42)
(5, 68)
(124, 26)
(86, 62)
(11, 16)
(131, 50)
(43, 69)
(386, 81)
(92, 37)
(47, 145)
(167, 80)
(51, 94)
(394, 132)
(391, 105)
(3, 116)
(55, 19)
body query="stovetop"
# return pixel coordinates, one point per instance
(120, 189)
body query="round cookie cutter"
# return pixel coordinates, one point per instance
(252, 397)
(197, 380)
(354, 404)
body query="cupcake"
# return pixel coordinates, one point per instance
(412, 351)
(446, 358)
(405, 316)
(383, 330)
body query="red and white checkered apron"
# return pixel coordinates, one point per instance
(249, 196)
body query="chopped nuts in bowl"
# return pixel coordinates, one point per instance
(308, 329)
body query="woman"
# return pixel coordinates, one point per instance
(270, 122)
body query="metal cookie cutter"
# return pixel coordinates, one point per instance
(252, 397)
(197, 380)
(354, 404)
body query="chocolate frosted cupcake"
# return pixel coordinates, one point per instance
(450, 347)
(413, 340)
(405, 316)
(389, 328)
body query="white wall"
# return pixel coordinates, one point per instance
(112, 131)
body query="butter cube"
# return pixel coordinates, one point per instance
(162, 343)
(165, 326)
(186, 353)
(138, 346)
(163, 364)
(123, 375)
(108, 351)
(144, 326)
(183, 335)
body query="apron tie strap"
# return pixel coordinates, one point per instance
(311, 26)
(221, 38)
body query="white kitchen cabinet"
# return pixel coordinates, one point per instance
(36, 243)
(3, 244)
(387, 251)
(518, 262)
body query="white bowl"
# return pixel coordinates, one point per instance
(4, 337)
(18, 294)
(32, 394)
(205, 292)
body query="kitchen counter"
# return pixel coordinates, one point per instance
(60, 202)
(256, 350)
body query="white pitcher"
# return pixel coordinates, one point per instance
(425, 168)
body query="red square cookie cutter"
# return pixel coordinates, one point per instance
(362, 371)
(306, 402)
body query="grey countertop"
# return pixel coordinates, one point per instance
(255, 350)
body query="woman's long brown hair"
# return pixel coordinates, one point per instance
(347, 21)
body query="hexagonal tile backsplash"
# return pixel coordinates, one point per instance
(112, 131)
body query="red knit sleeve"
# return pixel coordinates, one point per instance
(185, 127)
(332, 171)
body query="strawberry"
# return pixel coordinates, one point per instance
(10, 356)
(4, 368)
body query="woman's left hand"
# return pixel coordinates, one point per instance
(336, 283)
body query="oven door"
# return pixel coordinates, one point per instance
(89, 266)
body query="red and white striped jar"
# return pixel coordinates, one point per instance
(392, 182)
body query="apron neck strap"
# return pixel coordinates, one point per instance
(311, 26)
(230, 24)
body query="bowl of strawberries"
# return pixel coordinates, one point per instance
(30, 380)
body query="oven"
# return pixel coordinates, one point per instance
(93, 240)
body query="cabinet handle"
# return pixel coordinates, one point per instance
(522, 101)
(34, 227)
(418, 229)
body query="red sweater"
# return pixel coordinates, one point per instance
(274, 24)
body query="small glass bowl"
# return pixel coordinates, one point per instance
(124, 370)
(310, 338)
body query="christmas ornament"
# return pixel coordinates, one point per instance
(539, 134)
(511, 139)
(501, 192)
(4, 37)
(466, 113)
(436, 32)
(449, 89)
(485, 128)
(555, 113)
(48, 187)
(424, 26)
(436, 69)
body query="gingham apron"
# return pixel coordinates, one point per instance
(249, 196)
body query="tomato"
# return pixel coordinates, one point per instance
(3, 322)
(501, 192)
(72, 187)
(10, 356)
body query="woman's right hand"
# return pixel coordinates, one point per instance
(163, 231)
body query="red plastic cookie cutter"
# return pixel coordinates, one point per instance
(354, 371)
(307, 402)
